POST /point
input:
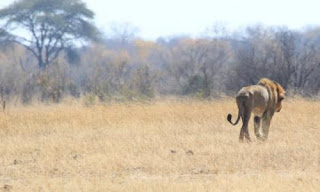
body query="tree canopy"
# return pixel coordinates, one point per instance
(47, 27)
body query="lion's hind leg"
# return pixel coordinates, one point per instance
(247, 108)
(241, 135)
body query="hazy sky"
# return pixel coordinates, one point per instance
(173, 17)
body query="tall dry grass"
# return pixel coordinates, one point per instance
(160, 146)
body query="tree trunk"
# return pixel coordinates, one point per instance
(41, 63)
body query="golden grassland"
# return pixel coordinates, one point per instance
(166, 145)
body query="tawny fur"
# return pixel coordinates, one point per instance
(262, 100)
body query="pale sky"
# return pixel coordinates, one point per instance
(156, 18)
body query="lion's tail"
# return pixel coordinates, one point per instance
(240, 101)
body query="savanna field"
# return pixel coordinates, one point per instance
(165, 145)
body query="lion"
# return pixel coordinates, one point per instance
(262, 100)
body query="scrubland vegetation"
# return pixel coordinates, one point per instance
(61, 54)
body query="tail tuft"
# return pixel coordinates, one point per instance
(229, 117)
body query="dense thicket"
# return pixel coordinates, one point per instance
(181, 66)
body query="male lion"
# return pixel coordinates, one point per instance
(262, 100)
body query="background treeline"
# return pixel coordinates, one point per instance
(124, 67)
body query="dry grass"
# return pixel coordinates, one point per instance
(163, 146)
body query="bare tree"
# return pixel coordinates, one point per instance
(121, 35)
